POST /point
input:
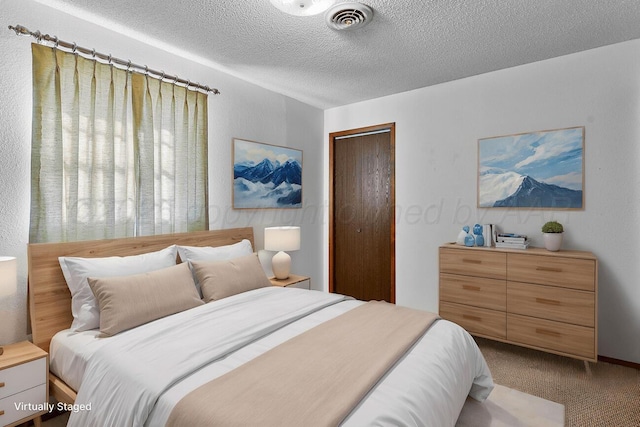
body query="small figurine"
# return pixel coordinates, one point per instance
(462, 235)
(477, 230)
(469, 240)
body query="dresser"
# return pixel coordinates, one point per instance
(533, 297)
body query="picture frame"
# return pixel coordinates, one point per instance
(532, 170)
(266, 176)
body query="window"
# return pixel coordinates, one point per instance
(114, 153)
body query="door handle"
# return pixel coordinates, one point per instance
(358, 230)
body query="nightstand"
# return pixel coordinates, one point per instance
(293, 281)
(24, 395)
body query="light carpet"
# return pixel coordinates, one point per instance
(507, 407)
(604, 395)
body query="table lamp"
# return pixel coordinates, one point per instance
(281, 239)
(8, 278)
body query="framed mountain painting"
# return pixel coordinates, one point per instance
(266, 176)
(543, 169)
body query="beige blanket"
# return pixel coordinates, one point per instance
(314, 379)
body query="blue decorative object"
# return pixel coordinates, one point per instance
(477, 230)
(469, 240)
(462, 235)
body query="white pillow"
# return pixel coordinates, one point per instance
(219, 253)
(86, 314)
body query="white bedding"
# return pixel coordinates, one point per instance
(173, 356)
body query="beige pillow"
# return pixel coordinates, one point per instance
(129, 301)
(220, 279)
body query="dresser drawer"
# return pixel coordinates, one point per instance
(473, 263)
(476, 291)
(35, 396)
(475, 320)
(562, 337)
(21, 377)
(552, 270)
(549, 302)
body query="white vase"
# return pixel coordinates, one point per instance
(552, 241)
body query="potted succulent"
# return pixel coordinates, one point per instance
(552, 233)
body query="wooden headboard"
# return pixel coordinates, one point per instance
(49, 297)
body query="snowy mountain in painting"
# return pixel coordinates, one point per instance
(267, 171)
(290, 172)
(254, 173)
(275, 185)
(507, 189)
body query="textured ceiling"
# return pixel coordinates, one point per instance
(408, 44)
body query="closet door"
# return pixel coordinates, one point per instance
(362, 243)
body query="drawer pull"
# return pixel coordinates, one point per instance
(471, 261)
(548, 332)
(548, 301)
(551, 269)
(470, 288)
(470, 317)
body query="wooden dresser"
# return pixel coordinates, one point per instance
(533, 297)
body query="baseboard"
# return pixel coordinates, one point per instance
(619, 362)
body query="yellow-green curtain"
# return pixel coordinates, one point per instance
(114, 153)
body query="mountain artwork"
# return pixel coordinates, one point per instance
(532, 170)
(266, 176)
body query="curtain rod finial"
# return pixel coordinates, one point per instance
(20, 30)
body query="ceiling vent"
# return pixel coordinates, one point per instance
(348, 16)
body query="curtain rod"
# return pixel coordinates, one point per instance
(128, 65)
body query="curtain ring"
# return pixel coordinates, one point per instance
(162, 75)
(74, 48)
(109, 59)
(146, 71)
(93, 53)
(38, 36)
(128, 65)
(55, 42)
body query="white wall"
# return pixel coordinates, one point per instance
(437, 129)
(243, 110)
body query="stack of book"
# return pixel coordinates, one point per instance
(512, 241)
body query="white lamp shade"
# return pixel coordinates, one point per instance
(8, 276)
(303, 7)
(282, 238)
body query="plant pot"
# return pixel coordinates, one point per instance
(552, 241)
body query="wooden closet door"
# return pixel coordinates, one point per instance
(363, 219)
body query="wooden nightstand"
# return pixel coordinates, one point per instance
(24, 394)
(293, 281)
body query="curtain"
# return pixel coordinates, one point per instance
(114, 153)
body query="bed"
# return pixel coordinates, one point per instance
(159, 366)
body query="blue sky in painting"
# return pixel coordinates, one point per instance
(552, 157)
(247, 152)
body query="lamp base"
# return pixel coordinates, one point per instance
(281, 265)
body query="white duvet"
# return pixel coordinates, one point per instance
(135, 378)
